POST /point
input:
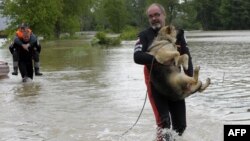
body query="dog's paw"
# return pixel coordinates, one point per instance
(208, 81)
(185, 66)
(204, 86)
(197, 69)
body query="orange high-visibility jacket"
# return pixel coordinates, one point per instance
(19, 33)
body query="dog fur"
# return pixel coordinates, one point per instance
(167, 76)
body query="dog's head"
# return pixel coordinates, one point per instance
(167, 33)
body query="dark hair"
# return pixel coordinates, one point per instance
(23, 25)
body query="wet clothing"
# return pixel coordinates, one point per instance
(168, 113)
(13, 51)
(33, 40)
(24, 61)
(35, 52)
(35, 45)
(24, 57)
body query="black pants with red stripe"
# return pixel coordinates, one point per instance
(167, 113)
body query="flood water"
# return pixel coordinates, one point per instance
(96, 94)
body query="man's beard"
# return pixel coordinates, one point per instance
(156, 26)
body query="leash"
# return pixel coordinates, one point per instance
(143, 106)
(137, 117)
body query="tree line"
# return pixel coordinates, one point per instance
(50, 18)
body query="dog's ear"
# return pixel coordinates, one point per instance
(168, 29)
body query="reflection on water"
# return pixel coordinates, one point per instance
(90, 93)
(27, 89)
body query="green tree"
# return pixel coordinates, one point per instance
(101, 20)
(186, 16)
(235, 13)
(137, 13)
(40, 15)
(208, 13)
(48, 18)
(116, 13)
(87, 20)
(70, 19)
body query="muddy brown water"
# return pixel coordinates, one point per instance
(96, 94)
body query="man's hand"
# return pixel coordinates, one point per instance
(26, 46)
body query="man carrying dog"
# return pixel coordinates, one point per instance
(167, 113)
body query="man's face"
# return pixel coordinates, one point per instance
(26, 36)
(156, 17)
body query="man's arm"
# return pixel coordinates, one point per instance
(18, 41)
(26, 46)
(33, 39)
(11, 48)
(140, 55)
(37, 46)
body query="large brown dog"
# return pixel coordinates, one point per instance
(167, 76)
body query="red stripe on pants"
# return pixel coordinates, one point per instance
(151, 98)
(152, 101)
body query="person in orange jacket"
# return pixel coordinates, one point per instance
(18, 41)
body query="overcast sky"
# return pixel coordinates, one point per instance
(2, 23)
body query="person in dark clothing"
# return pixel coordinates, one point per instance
(13, 51)
(25, 55)
(18, 41)
(168, 113)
